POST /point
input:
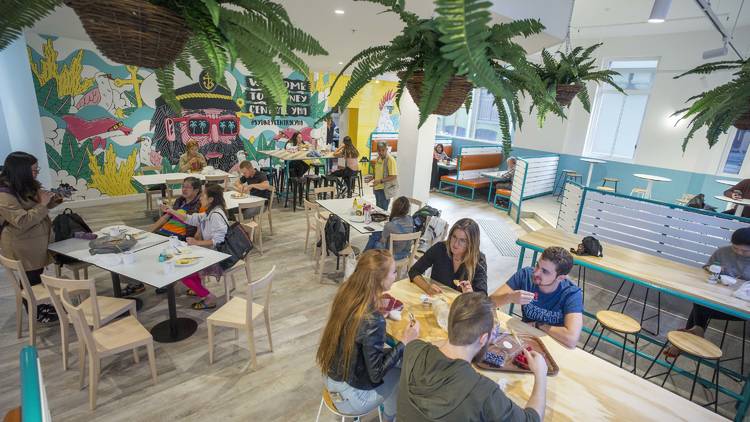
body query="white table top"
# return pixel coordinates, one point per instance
(734, 201)
(234, 202)
(343, 208)
(727, 182)
(593, 160)
(652, 177)
(494, 174)
(146, 267)
(158, 179)
(448, 166)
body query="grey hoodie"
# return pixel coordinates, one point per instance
(436, 388)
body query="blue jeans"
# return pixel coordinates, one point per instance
(356, 402)
(380, 199)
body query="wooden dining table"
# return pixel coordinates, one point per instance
(586, 388)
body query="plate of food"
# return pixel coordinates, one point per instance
(186, 261)
(238, 195)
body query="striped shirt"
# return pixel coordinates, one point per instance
(175, 227)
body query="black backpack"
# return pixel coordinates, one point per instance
(65, 226)
(420, 216)
(699, 201)
(589, 246)
(237, 244)
(337, 234)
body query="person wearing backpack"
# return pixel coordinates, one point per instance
(212, 230)
(399, 222)
(24, 215)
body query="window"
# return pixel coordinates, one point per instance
(481, 122)
(737, 152)
(616, 119)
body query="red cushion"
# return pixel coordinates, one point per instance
(470, 183)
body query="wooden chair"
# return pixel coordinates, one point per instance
(621, 325)
(222, 180)
(240, 313)
(34, 295)
(615, 181)
(170, 186)
(641, 192)
(75, 267)
(251, 224)
(269, 209)
(701, 350)
(312, 215)
(415, 202)
(97, 310)
(150, 190)
(119, 336)
(321, 257)
(405, 263)
(324, 190)
(228, 276)
(326, 399)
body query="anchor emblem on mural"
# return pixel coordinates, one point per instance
(207, 82)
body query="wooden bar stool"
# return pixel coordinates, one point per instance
(612, 180)
(618, 323)
(743, 340)
(640, 192)
(326, 399)
(697, 347)
(568, 175)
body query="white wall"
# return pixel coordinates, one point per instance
(19, 106)
(414, 150)
(659, 142)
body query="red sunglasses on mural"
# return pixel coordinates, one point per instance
(201, 126)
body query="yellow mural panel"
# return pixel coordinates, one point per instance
(112, 179)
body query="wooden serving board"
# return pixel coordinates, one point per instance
(528, 341)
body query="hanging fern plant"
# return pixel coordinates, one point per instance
(458, 44)
(724, 106)
(566, 78)
(258, 33)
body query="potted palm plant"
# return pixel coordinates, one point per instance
(566, 78)
(724, 106)
(440, 60)
(162, 34)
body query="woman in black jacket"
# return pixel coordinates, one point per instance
(457, 262)
(361, 373)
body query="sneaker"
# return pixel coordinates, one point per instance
(46, 314)
(161, 290)
(133, 289)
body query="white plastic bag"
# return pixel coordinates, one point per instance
(350, 262)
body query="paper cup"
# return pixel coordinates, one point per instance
(128, 258)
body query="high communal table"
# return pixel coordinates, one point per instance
(343, 208)
(289, 156)
(587, 388)
(650, 179)
(660, 274)
(146, 268)
(592, 162)
(741, 203)
(727, 182)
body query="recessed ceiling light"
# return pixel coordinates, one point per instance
(338, 12)
(341, 62)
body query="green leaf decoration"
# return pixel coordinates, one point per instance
(53, 157)
(16, 15)
(73, 157)
(213, 9)
(47, 98)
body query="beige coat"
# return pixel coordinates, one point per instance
(27, 230)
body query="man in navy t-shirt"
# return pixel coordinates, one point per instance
(547, 297)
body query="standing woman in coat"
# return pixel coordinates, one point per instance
(24, 216)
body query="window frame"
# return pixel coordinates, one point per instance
(744, 167)
(601, 89)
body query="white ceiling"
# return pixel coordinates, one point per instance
(361, 26)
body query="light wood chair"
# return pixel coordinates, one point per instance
(75, 267)
(119, 336)
(34, 295)
(328, 402)
(170, 186)
(324, 190)
(415, 202)
(228, 276)
(97, 310)
(149, 190)
(269, 209)
(240, 313)
(321, 257)
(641, 192)
(222, 180)
(405, 263)
(252, 224)
(311, 214)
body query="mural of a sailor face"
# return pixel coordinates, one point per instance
(208, 117)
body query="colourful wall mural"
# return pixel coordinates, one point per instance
(104, 122)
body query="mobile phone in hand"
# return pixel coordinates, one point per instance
(369, 229)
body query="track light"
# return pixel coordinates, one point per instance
(659, 11)
(716, 52)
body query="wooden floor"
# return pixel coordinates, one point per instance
(285, 387)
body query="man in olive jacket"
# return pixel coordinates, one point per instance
(439, 383)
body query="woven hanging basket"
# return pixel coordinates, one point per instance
(743, 122)
(454, 95)
(133, 32)
(566, 93)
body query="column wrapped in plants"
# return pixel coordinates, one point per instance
(441, 59)
(258, 33)
(565, 79)
(722, 107)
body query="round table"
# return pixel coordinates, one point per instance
(727, 182)
(591, 162)
(740, 203)
(650, 179)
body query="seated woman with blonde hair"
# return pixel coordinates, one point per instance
(361, 374)
(192, 161)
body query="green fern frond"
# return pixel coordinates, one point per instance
(183, 63)
(583, 97)
(15, 15)
(165, 82)
(362, 55)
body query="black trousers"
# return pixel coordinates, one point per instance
(701, 315)
(437, 173)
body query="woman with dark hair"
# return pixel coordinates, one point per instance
(348, 164)
(456, 263)
(212, 229)
(438, 155)
(399, 222)
(24, 220)
(297, 168)
(361, 373)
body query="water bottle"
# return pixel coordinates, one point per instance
(441, 309)
(368, 217)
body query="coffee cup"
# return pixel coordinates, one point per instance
(128, 258)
